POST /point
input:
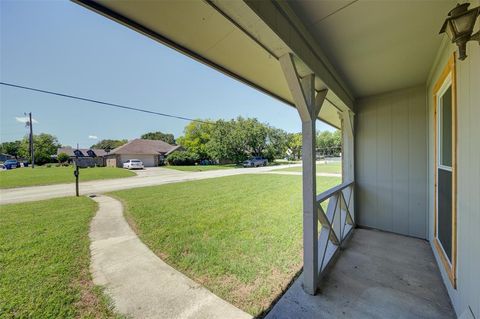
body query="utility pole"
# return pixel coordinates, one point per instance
(32, 153)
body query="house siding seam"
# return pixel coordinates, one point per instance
(391, 153)
(467, 293)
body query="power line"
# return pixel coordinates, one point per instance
(102, 102)
(13, 132)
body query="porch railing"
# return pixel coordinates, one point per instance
(337, 222)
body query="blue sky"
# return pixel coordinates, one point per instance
(62, 47)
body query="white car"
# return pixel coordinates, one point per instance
(133, 164)
(255, 162)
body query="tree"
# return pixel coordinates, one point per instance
(109, 144)
(167, 138)
(329, 143)
(241, 138)
(182, 158)
(254, 135)
(196, 137)
(11, 148)
(294, 144)
(45, 145)
(63, 157)
(234, 140)
(225, 143)
(277, 143)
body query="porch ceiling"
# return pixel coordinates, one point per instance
(214, 33)
(376, 46)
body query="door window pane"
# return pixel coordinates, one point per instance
(445, 211)
(446, 128)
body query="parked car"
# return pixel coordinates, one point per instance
(255, 162)
(133, 164)
(11, 163)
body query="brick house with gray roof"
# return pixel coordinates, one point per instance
(150, 152)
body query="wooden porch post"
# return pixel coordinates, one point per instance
(348, 154)
(346, 118)
(308, 106)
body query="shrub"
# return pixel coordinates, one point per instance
(48, 165)
(63, 157)
(182, 158)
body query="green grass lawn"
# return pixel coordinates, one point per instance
(42, 175)
(321, 168)
(201, 168)
(240, 236)
(44, 261)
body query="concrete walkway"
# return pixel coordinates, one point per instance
(140, 284)
(149, 177)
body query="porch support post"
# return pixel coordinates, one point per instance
(348, 169)
(348, 153)
(308, 106)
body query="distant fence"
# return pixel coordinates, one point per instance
(335, 151)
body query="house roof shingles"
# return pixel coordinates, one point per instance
(141, 146)
(136, 146)
(70, 151)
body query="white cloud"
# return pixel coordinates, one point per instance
(25, 119)
(93, 137)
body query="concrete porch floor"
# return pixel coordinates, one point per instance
(377, 275)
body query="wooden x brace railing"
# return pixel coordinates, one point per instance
(336, 223)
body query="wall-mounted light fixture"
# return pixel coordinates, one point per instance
(459, 27)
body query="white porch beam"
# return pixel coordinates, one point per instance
(308, 106)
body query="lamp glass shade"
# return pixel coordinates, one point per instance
(450, 30)
(464, 23)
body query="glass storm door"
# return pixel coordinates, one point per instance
(445, 170)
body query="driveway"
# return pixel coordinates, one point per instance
(148, 177)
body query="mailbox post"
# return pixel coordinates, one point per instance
(76, 173)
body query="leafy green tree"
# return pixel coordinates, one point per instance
(277, 144)
(241, 138)
(225, 143)
(167, 138)
(329, 143)
(11, 148)
(254, 135)
(196, 137)
(234, 140)
(45, 145)
(63, 157)
(294, 144)
(182, 158)
(109, 144)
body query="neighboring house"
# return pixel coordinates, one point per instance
(87, 156)
(150, 152)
